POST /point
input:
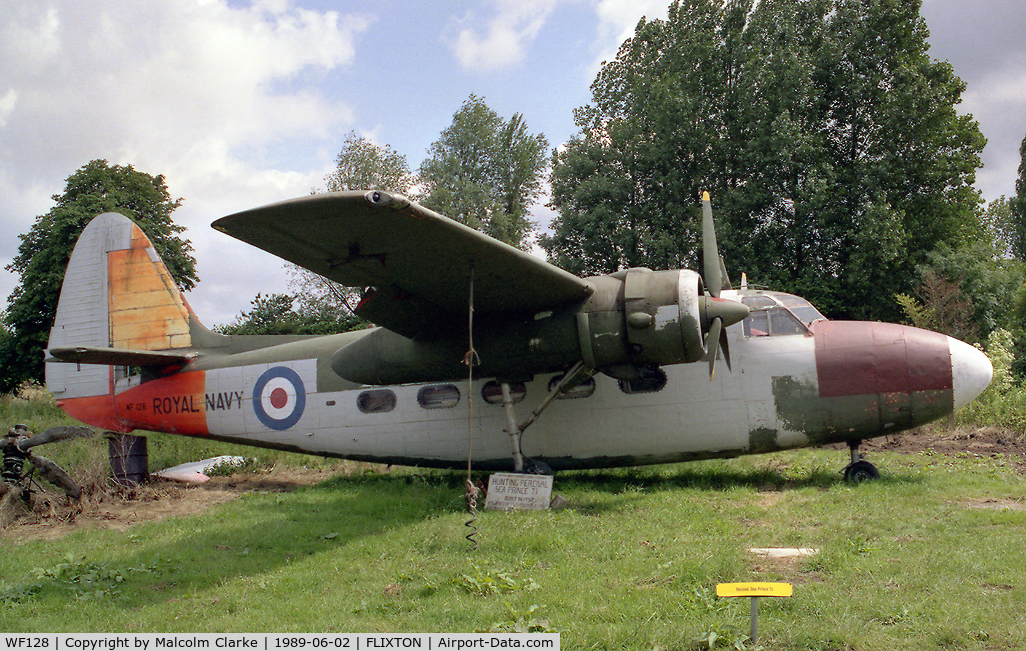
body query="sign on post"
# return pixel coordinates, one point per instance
(754, 590)
(508, 491)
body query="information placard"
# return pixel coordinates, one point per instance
(754, 590)
(508, 491)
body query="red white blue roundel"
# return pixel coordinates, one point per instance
(279, 398)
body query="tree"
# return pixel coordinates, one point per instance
(1017, 206)
(362, 165)
(274, 315)
(945, 308)
(825, 134)
(485, 172)
(44, 252)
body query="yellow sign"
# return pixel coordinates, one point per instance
(754, 590)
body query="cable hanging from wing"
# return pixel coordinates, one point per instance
(471, 358)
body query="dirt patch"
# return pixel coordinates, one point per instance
(996, 505)
(983, 442)
(50, 517)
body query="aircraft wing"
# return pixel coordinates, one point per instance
(417, 261)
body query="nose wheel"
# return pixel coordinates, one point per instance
(859, 470)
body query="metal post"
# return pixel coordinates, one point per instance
(755, 620)
(511, 428)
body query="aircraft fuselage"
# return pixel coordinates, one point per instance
(836, 381)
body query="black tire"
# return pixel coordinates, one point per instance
(535, 467)
(861, 471)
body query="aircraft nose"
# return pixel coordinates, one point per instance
(971, 372)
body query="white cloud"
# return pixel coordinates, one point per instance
(997, 102)
(7, 104)
(515, 23)
(216, 97)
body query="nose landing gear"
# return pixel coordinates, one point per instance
(859, 470)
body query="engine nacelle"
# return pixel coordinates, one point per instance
(634, 320)
(644, 318)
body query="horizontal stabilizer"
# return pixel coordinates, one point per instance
(121, 356)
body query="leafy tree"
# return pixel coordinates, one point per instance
(274, 315)
(485, 172)
(362, 165)
(944, 308)
(999, 226)
(1017, 206)
(44, 252)
(824, 132)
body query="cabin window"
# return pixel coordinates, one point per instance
(441, 396)
(651, 380)
(492, 392)
(758, 301)
(582, 390)
(376, 401)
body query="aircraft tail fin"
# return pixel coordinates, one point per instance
(117, 294)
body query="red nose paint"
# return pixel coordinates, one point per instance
(859, 358)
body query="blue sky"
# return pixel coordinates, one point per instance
(240, 104)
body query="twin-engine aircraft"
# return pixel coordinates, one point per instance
(618, 369)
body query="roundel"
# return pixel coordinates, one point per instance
(279, 398)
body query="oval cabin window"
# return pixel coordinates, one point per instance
(582, 390)
(441, 396)
(377, 401)
(492, 392)
(651, 380)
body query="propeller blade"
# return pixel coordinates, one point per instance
(726, 349)
(712, 342)
(710, 253)
(57, 476)
(59, 433)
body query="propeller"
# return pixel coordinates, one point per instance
(59, 433)
(16, 448)
(719, 313)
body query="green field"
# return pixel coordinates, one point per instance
(931, 556)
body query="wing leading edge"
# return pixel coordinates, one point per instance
(418, 262)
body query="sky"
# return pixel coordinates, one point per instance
(243, 103)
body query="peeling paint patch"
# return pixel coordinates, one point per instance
(796, 401)
(762, 439)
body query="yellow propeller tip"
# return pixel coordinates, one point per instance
(705, 196)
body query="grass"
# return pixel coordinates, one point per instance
(907, 562)
(631, 564)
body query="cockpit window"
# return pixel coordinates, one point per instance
(800, 307)
(777, 314)
(758, 301)
(783, 322)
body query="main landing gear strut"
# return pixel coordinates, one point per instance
(859, 470)
(579, 373)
